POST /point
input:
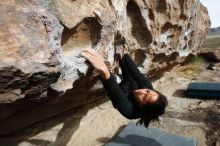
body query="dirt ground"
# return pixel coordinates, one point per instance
(197, 118)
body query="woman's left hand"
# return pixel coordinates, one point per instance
(97, 62)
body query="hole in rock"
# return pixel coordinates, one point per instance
(185, 47)
(110, 3)
(190, 19)
(162, 6)
(139, 57)
(85, 35)
(168, 27)
(170, 37)
(183, 17)
(119, 40)
(165, 58)
(155, 43)
(188, 26)
(159, 57)
(163, 45)
(190, 44)
(183, 5)
(157, 71)
(139, 28)
(171, 33)
(151, 14)
(119, 44)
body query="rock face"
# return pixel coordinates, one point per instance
(41, 71)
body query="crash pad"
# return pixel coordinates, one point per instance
(133, 135)
(203, 90)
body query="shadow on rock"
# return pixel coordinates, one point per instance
(20, 124)
(180, 93)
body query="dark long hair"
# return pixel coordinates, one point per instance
(151, 112)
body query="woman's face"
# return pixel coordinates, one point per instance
(145, 96)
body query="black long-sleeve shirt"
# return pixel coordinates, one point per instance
(121, 94)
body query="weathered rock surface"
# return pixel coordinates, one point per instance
(30, 44)
(41, 72)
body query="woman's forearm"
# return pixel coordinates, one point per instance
(105, 74)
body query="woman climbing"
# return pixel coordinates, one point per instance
(134, 97)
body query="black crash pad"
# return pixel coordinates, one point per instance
(133, 135)
(203, 90)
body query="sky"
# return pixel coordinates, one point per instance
(214, 11)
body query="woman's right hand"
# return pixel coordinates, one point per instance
(97, 62)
